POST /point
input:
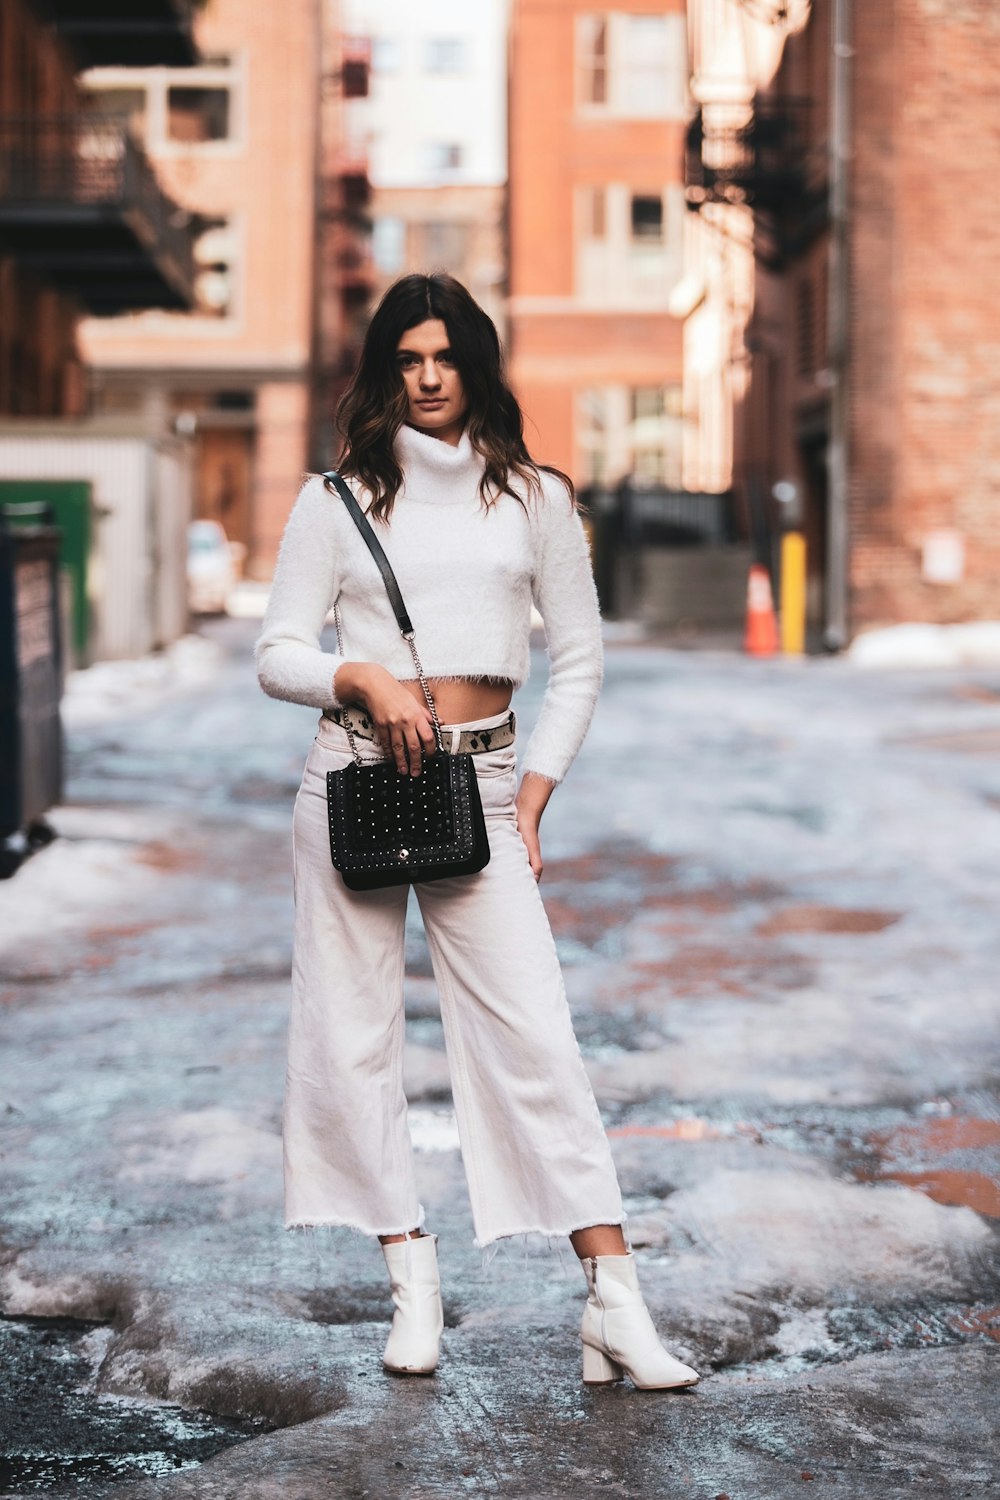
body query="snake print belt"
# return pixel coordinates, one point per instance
(456, 741)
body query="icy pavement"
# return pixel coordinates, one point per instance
(774, 887)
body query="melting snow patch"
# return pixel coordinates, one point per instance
(433, 1129)
(110, 688)
(975, 645)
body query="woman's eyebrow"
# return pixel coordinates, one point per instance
(415, 353)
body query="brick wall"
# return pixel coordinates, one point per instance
(925, 328)
(40, 372)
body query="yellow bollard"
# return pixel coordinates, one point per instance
(793, 593)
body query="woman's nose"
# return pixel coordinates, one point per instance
(429, 377)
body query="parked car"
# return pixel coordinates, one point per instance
(211, 567)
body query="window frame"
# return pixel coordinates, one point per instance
(156, 82)
(442, 169)
(445, 41)
(620, 97)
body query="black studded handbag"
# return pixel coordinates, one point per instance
(387, 828)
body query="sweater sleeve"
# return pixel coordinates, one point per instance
(290, 663)
(564, 592)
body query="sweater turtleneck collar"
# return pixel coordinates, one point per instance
(436, 470)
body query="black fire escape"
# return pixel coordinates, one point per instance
(80, 205)
(764, 163)
(124, 33)
(80, 208)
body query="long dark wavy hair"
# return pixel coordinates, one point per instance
(375, 406)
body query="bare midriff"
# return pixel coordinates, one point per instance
(460, 700)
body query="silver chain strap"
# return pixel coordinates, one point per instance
(408, 638)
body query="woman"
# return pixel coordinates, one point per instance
(475, 532)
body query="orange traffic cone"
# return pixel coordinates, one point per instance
(761, 638)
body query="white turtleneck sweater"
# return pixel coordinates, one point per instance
(468, 575)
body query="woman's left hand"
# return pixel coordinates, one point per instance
(532, 795)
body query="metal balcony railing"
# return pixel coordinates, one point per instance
(81, 205)
(124, 33)
(762, 162)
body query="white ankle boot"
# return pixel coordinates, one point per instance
(618, 1334)
(415, 1339)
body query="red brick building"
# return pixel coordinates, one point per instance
(598, 108)
(865, 361)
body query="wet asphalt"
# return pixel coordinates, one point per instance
(774, 889)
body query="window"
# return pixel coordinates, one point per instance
(444, 245)
(632, 66)
(624, 431)
(647, 402)
(594, 223)
(129, 103)
(592, 43)
(233, 400)
(176, 110)
(215, 263)
(647, 62)
(443, 156)
(389, 244)
(647, 219)
(355, 64)
(444, 54)
(628, 250)
(386, 54)
(594, 419)
(656, 434)
(197, 115)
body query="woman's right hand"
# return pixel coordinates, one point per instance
(404, 726)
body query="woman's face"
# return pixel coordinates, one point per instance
(434, 389)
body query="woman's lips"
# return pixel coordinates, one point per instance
(430, 405)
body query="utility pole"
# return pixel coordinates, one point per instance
(838, 333)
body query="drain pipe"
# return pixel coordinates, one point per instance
(838, 331)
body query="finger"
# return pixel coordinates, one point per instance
(400, 757)
(415, 754)
(534, 851)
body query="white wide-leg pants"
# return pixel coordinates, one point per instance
(535, 1152)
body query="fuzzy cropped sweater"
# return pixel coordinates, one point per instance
(468, 575)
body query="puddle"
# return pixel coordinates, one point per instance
(985, 741)
(57, 1433)
(955, 1160)
(432, 1129)
(960, 1189)
(677, 1130)
(826, 919)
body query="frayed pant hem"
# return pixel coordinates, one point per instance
(316, 1223)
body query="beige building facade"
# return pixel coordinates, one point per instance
(235, 140)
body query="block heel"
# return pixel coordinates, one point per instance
(598, 1369)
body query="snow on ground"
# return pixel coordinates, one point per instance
(109, 688)
(972, 645)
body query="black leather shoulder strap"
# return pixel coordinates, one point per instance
(332, 479)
